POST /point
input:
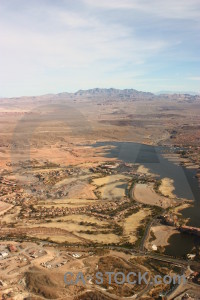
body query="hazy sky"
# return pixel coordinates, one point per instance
(50, 46)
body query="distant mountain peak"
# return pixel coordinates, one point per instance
(111, 92)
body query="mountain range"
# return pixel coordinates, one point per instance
(112, 93)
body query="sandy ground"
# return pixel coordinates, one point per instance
(141, 169)
(4, 207)
(143, 125)
(82, 190)
(177, 159)
(101, 238)
(69, 226)
(72, 155)
(111, 187)
(59, 238)
(70, 180)
(115, 190)
(177, 210)
(110, 179)
(11, 217)
(173, 157)
(162, 234)
(144, 193)
(191, 166)
(133, 222)
(167, 187)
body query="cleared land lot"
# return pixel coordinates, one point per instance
(4, 207)
(69, 226)
(114, 190)
(112, 187)
(144, 193)
(101, 238)
(69, 180)
(109, 179)
(162, 234)
(82, 190)
(132, 223)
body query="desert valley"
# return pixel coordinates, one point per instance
(99, 180)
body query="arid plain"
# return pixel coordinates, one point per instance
(69, 204)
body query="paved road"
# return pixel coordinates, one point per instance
(148, 228)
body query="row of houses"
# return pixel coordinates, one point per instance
(62, 211)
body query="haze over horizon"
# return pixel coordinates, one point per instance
(57, 46)
(94, 91)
